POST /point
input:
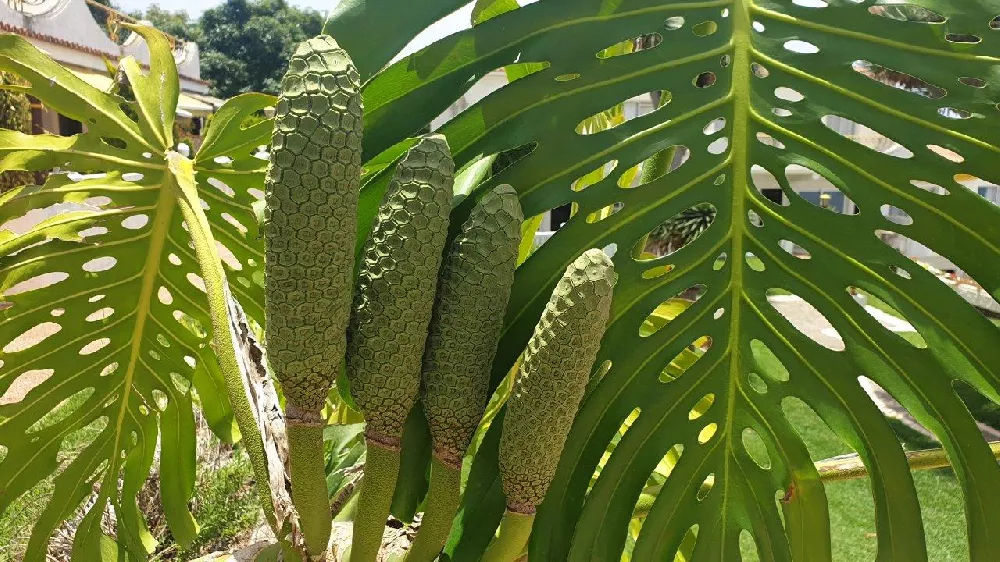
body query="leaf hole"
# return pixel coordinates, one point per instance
(794, 249)
(707, 433)
(759, 70)
(801, 47)
(704, 80)
(96, 298)
(615, 116)
(788, 94)
(865, 136)
(753, 262)
(755, 219)
(810, 3)
(180, 383)
(714, 126)
(900, 272)
(674, 23)
(605, 212)
(962, 38)
(657, 272)
(701, 407)
(758, 27)
(133, 177)
(32, 337)
(567, 77)
(720, 261)
(705, 28)
(719, 313)
(946, 153)
(781, 112)
(628, 47)
(192, 325)
(37, 282)
(767, 362)
(888, 316)
(670, 309)
(805, 318)
(109, 369)
(100, 314)
(173, 259)
(685, 359)
(62, 412)
(756, 383)
(706, 487)
(767, 184)
(896, 215)
(898, 80)
(197, 281)
(594, 176)
(160, 399)
(25, 383)
(164, 295)
(93, 232)
(721, 179)
(115, 143)
(725, 61)
(973, 82)
(57, 312)
(906, 12)
(755, 447)
(718, 146)
(100, 264)
(95, 346)
(768, 140)
(680, 230)
(221, 186)
(958, 114)
(930, 187)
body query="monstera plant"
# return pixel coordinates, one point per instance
(121, 310)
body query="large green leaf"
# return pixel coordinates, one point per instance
(104, 312)
(924, 75)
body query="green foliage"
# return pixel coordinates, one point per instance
(123, 327)
(15, 114)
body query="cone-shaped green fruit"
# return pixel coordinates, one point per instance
(473, 291)
(311, 219)
(396, 287)
(554, 373)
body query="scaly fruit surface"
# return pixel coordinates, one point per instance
(554, 373)
(396, 287)
(311, 219)
(473, 291)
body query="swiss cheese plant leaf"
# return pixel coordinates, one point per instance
(105, 321)
(892, 106)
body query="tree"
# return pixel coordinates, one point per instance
(245, 43)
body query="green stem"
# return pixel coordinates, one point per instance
(439, 513)
(374, 501)
(308, 475)
(182, 176)
(515, 528)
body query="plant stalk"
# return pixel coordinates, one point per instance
(374, 500)
(515, 529)
(849, 467)
(442, 505)
(182, 176)
(308, 476)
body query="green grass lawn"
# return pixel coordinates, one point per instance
(852, 509)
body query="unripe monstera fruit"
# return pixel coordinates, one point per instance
(554, 373)
(394, 297)
(473, 291)
(311, 219)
